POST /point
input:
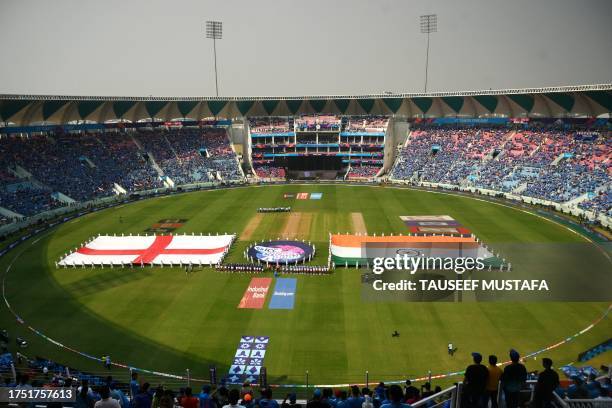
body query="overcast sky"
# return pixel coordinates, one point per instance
(305, 47)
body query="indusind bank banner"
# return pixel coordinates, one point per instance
(255, 294)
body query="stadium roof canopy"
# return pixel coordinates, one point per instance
(568, 101)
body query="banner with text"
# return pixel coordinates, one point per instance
(255, 294)
(283, 296)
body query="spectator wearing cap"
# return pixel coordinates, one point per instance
(513, 379)
(495, 374)
(548, 381)
(475, 381)
(316, 401)
(342, 399)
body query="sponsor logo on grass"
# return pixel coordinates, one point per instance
(166, 225)
(283, 296)
(255, 294)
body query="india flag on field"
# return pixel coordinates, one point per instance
(350, 249)
(151, 249)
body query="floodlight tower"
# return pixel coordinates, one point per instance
(429, 24)
(214, 31)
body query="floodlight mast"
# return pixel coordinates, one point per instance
(214, 31)
(429, 24)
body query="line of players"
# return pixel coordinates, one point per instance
(240, 267)
(305, 269)
(256, 268)
(273, 209)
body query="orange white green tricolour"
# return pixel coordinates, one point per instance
(350, 249)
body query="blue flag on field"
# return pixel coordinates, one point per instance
(283, 296)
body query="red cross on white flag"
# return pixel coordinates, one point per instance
(165, 249)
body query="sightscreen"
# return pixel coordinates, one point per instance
(310, 163)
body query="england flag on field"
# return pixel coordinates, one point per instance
(153, 249)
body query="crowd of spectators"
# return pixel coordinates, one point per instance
(307, 140)
(269, 172)
(81, 166)
(318, 122)
(177, 153)
(86, 166)
(550, 165)
(135, 173)
(62, 162)
(269, 125)
(363, 171)
(367, 124)
(26, 199)
(192, 155)
(600, 203)
(481, 385)
(22, 197)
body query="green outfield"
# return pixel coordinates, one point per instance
(158, 318)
